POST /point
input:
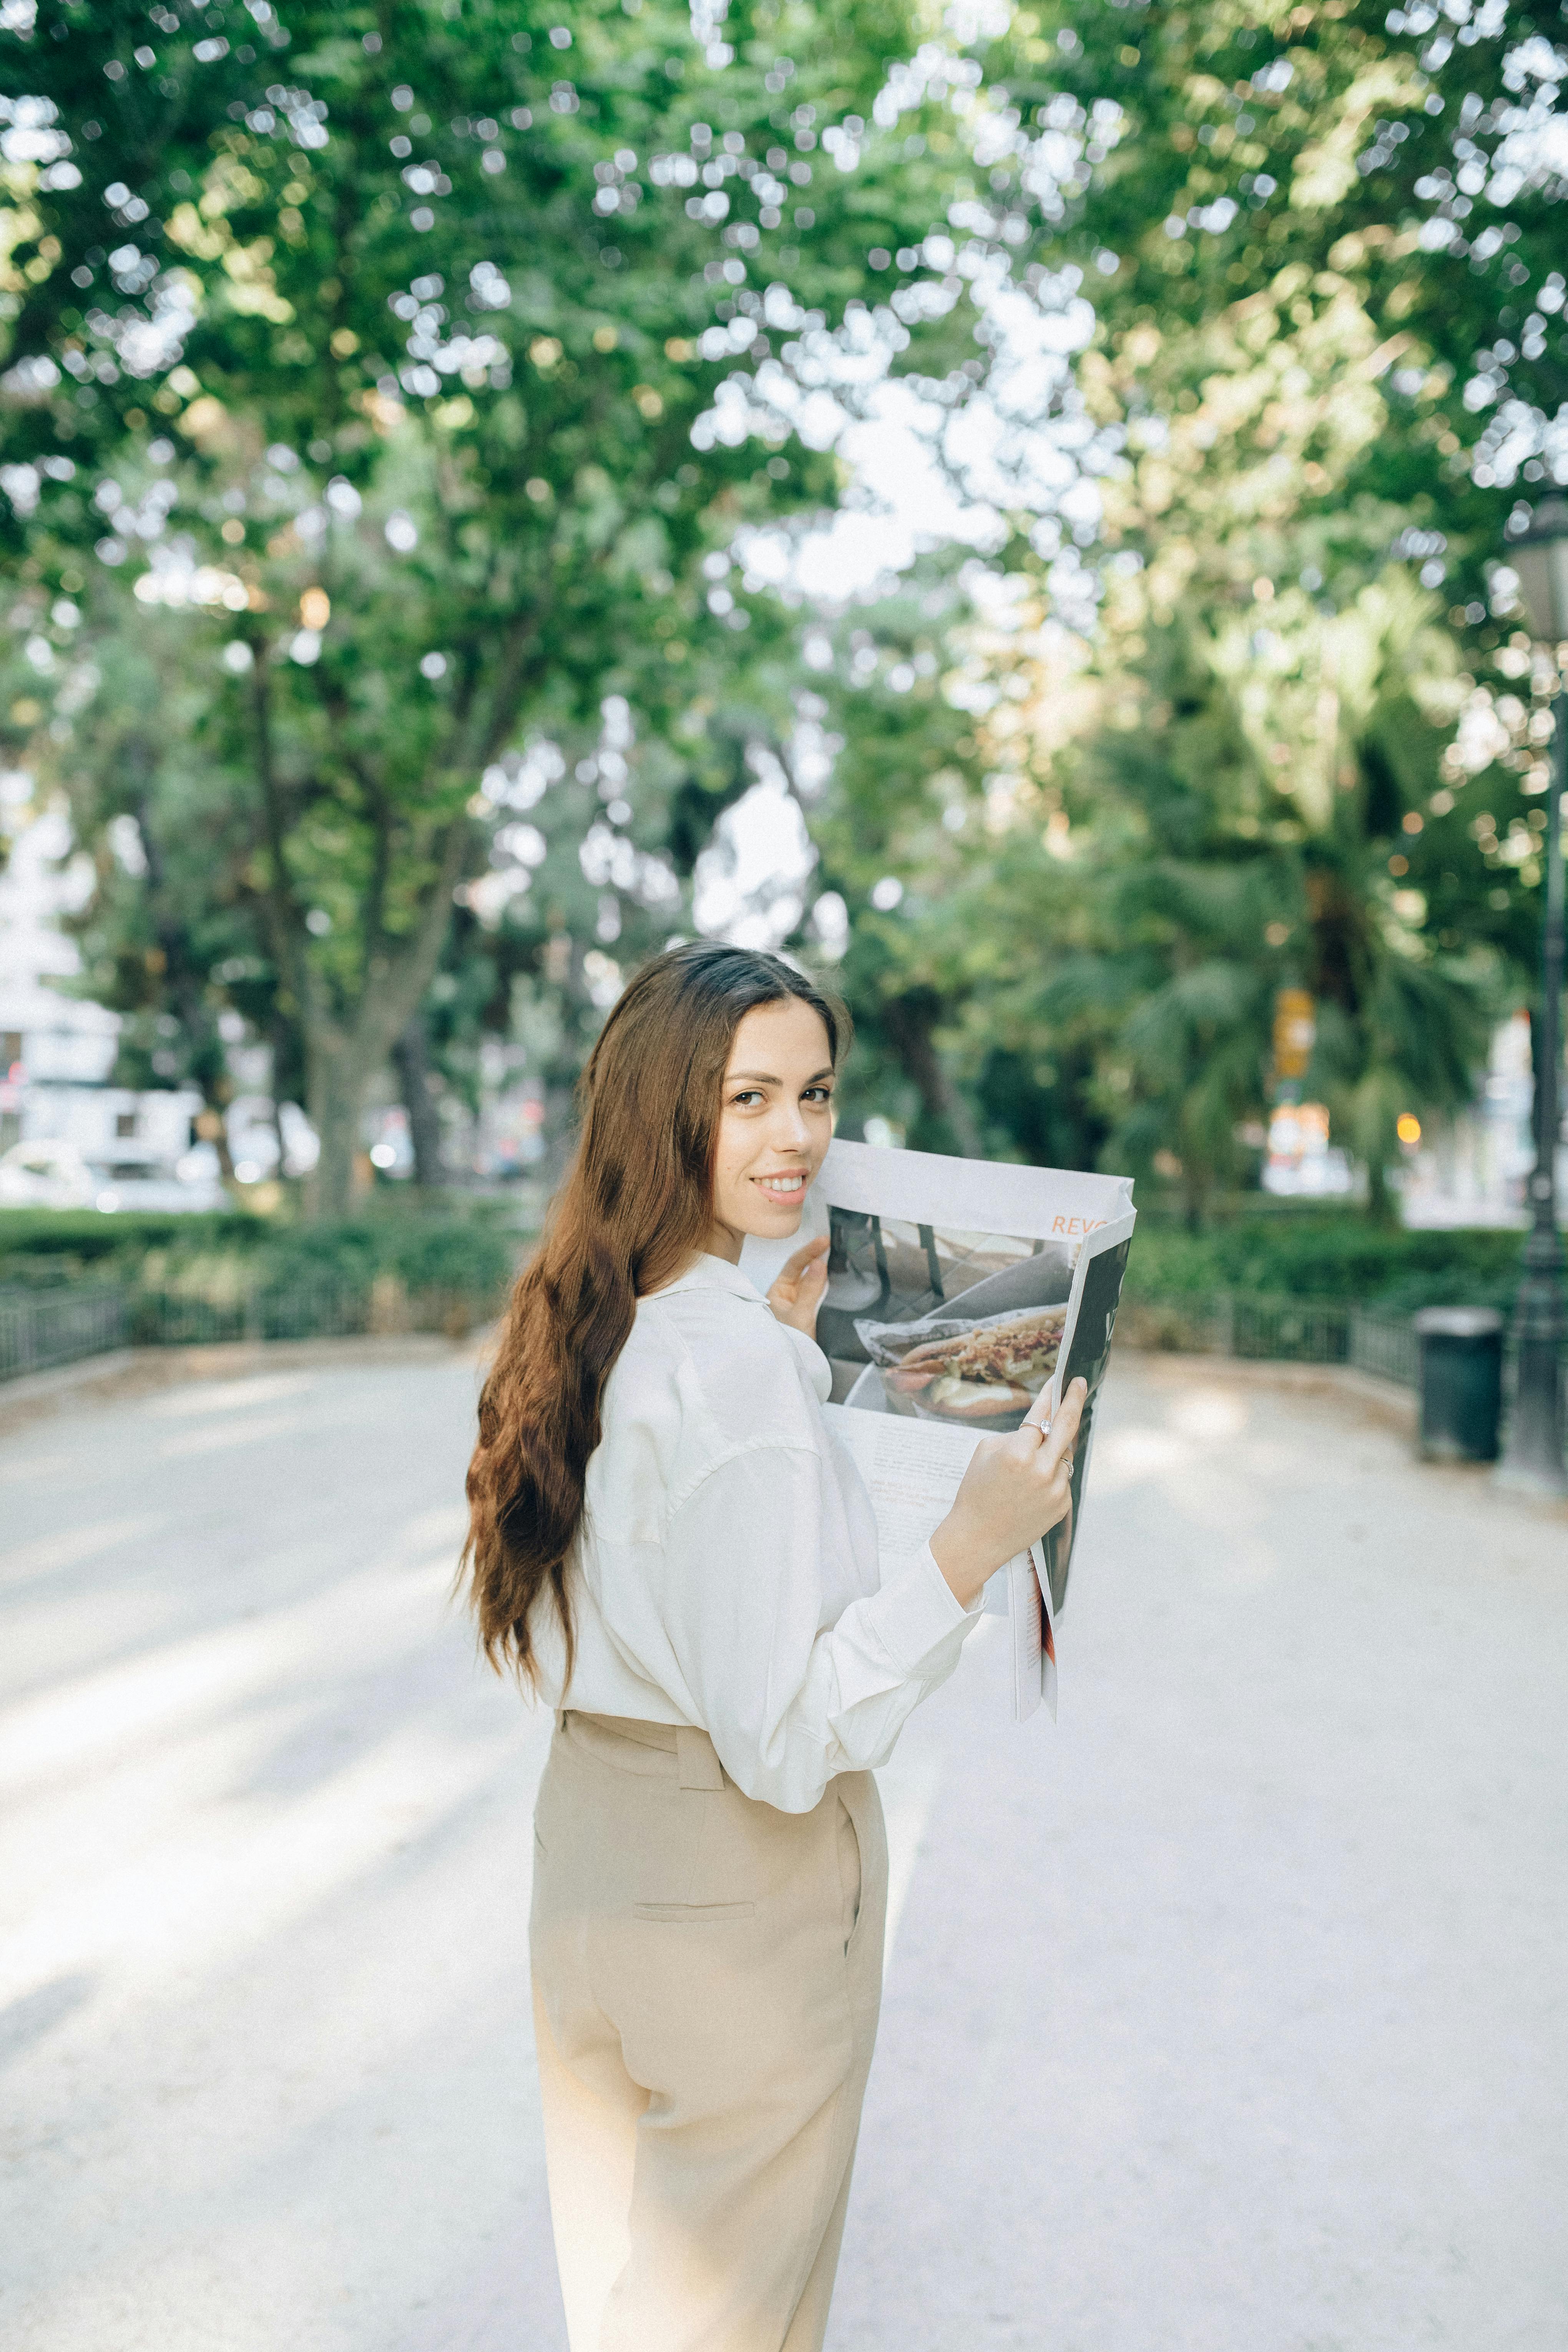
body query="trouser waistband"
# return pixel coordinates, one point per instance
(679, 1751)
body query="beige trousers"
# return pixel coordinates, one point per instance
(706, 1973)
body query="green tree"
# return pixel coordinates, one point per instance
(1270, 757)
(1254, 791)
(1228, 887)
(423, 356)
(170, 936)
(1183, 159)
(884, 829)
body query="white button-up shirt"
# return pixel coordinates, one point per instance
(726, 1574)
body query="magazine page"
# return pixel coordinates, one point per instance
(1034, 1635)
(949, 1280)
(953, 1288)
(1085, 1353)
(911, 1475)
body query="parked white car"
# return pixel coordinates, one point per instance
(52, 1175)
(45, 1176)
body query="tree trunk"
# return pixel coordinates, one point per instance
(342, 1053)
(339, 1077)
(945, 1123)
(1381, 1206)
(411, 1058)
(212, 1126)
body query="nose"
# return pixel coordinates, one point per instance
(789, 1130)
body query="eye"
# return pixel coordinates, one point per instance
(818, 1094)
(747, 1095)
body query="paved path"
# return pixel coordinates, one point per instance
(1227, 2015)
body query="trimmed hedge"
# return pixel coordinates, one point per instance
(50, 1246)
(221, 1256)
(1263, 1252)
(1329, 1254)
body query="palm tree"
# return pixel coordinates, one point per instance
(1237, 819)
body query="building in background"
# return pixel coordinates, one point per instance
(68, 1136)
(1472, 1169)
(55, 1052)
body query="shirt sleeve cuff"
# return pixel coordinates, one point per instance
(917, 1611)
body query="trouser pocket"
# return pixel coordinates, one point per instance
(865, 1877)
(851, 1873)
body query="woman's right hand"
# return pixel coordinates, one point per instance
(1014, 1488)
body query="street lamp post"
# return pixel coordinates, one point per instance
(1533, 1459)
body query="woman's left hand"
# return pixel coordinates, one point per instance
(797, 1294)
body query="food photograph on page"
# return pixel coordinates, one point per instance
(940, 1324)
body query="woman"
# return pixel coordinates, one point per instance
(670, 1546)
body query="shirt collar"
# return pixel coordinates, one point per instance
(709, 1273)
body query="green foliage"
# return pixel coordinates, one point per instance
(57, 1244)
(445, 362)
(899, 780)
(1350, 156)
(1311, 237)
(1266, 1253)
(219, 1257)
(469, 1254)
(1255, 870)
(433, 389)
(168, 937)
(1336, 1256)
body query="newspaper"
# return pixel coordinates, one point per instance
(961, 1292)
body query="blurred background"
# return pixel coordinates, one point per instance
(1013, 510)
(1048, 514)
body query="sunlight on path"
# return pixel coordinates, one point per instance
(1224, 2015)
(264, 1853)
(1227, 2015)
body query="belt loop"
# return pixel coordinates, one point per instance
(698, 1760)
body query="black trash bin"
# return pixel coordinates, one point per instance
(1461, 1382)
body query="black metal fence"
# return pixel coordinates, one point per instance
(1385, 1345)
(322, 1311)
(42, 1330)
(1277, 1330)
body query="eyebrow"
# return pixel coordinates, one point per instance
(766, 1077)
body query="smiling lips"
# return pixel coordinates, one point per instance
(786, 1187)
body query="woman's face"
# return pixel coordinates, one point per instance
(775, 1123)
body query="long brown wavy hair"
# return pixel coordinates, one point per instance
(634, 1208)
